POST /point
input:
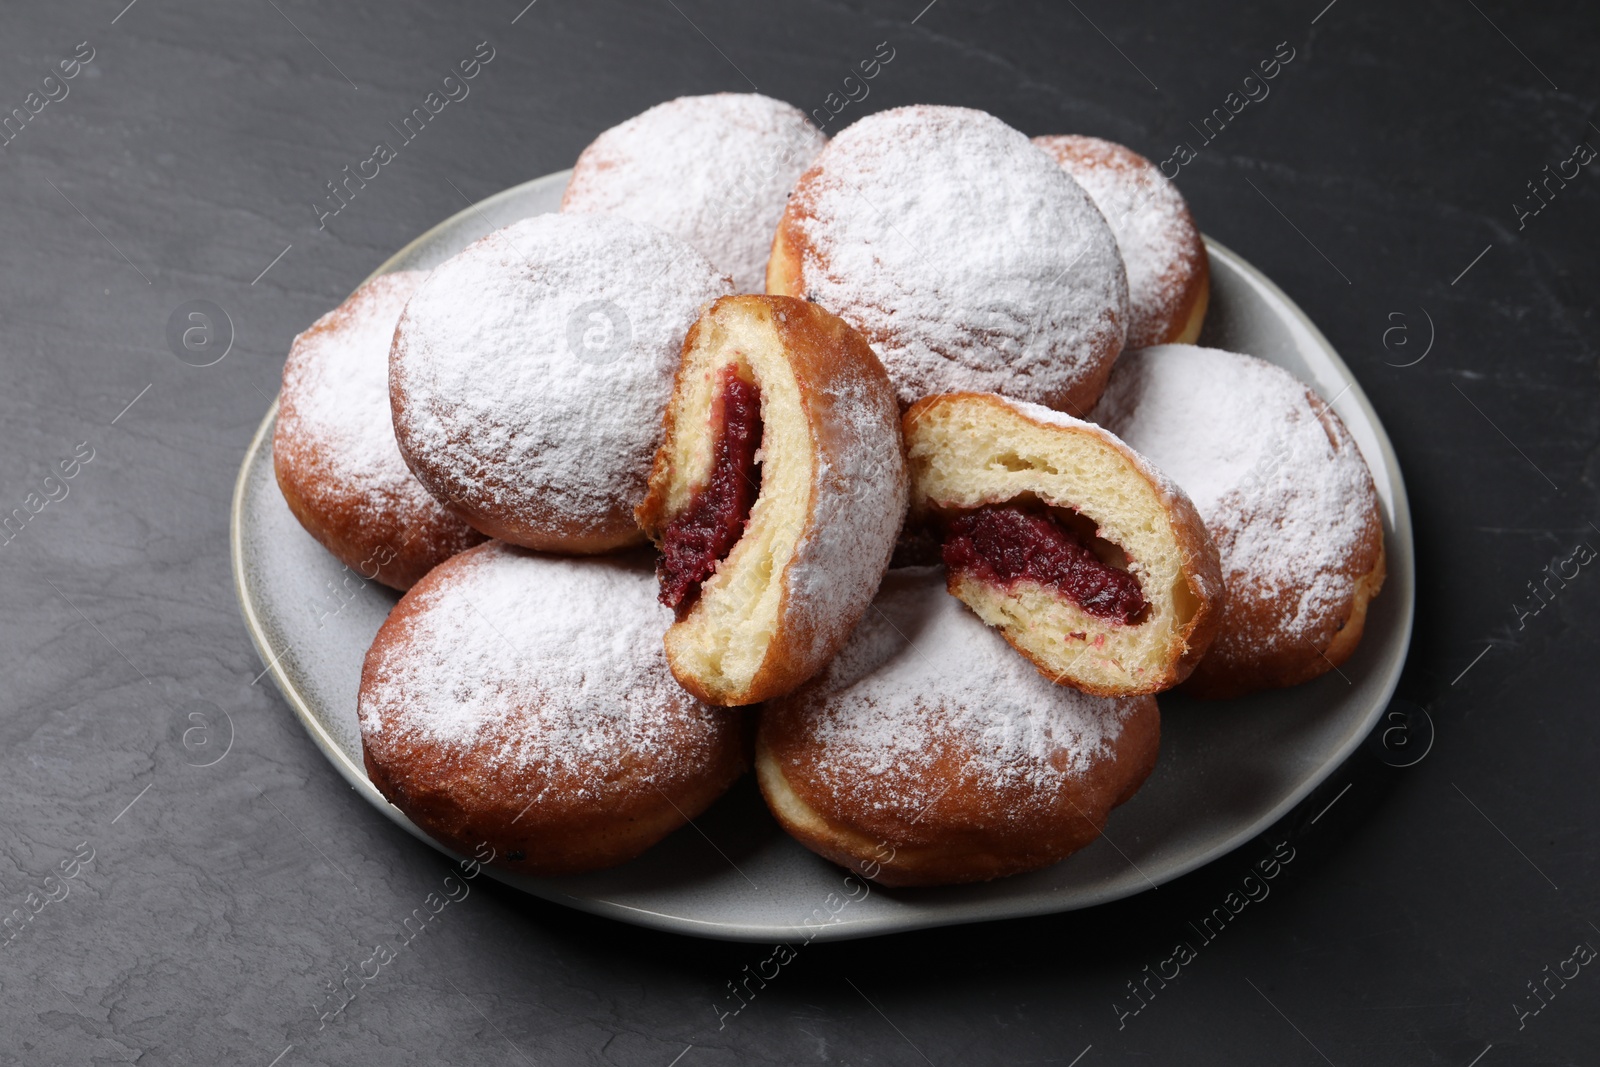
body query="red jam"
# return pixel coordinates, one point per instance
(1005, 544)
(705, 532)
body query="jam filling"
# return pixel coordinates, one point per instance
(705, 532)
(1005, 544)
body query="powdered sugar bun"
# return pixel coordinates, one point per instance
(1285, 493)
(1169, 274)
(333, 447)
(968, 259)
(711, 170)
(1089, 560)
(771, 565)
(524, 701)
(529, 373)
(930, 753)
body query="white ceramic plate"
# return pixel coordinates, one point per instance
(1227, 771)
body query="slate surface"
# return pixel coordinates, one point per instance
(1382, 181)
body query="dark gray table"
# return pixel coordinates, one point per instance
(1383, 182)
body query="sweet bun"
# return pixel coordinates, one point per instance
(1084, 556)
(712, 171)
(775, 497)
(963, 253)
(1285, 493)
(529, 373)
(929, 753)
(333, 447)
(1169, 273)
(522, 701)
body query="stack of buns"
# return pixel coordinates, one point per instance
(934, 518)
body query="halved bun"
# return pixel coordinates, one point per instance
(780, 600)
(1127, 533)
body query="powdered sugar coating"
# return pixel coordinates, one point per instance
(1161, 246)
(335, 437)
(1275, 476)
(926, 703)
(336, 395)
(543, 671)
(859, 496)
(504, 407)
(711, 170)
(969, 260)
(833, 492)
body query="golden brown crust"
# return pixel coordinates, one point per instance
(976, 830)
(832, 363)
(783, 268)
(389, 548)
(385, 531)
(546, 529)
(1202, 568)
(1078, 398)
(584, 814)
(1199, 301)
(850, 413)
(464, 808)
(1251, 653)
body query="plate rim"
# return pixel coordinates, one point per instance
(355, 776)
